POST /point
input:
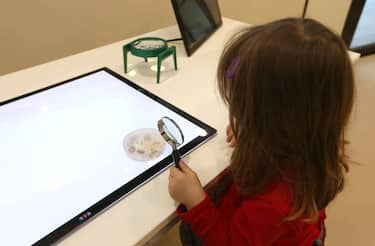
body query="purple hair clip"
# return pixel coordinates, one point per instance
(231, 70)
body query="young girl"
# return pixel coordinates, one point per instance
(289, 88)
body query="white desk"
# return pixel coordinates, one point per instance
(149, 210)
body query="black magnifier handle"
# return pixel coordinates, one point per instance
(176, 157)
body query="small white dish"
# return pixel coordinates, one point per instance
(144, 144)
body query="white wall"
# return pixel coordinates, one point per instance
(34, 32)
(261, 11)
(330, 12)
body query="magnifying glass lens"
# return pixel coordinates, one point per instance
(173, 135)
(173, 132)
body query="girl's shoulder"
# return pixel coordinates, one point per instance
(275, 196)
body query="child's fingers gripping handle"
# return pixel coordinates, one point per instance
(185, 168)
(176, 158)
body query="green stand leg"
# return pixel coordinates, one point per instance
(125, 50)
(163, 55)
(174, 57)
(158, 73)
(146, 60)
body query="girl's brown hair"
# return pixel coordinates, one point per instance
(290, 94)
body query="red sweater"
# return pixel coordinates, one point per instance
(258, 220)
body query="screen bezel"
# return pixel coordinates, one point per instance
(190, 48)
(136, 182)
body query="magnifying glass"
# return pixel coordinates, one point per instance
(173, 135)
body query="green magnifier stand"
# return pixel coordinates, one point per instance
(147, 48)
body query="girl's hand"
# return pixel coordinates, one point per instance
(184, 186)
(230, 138)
